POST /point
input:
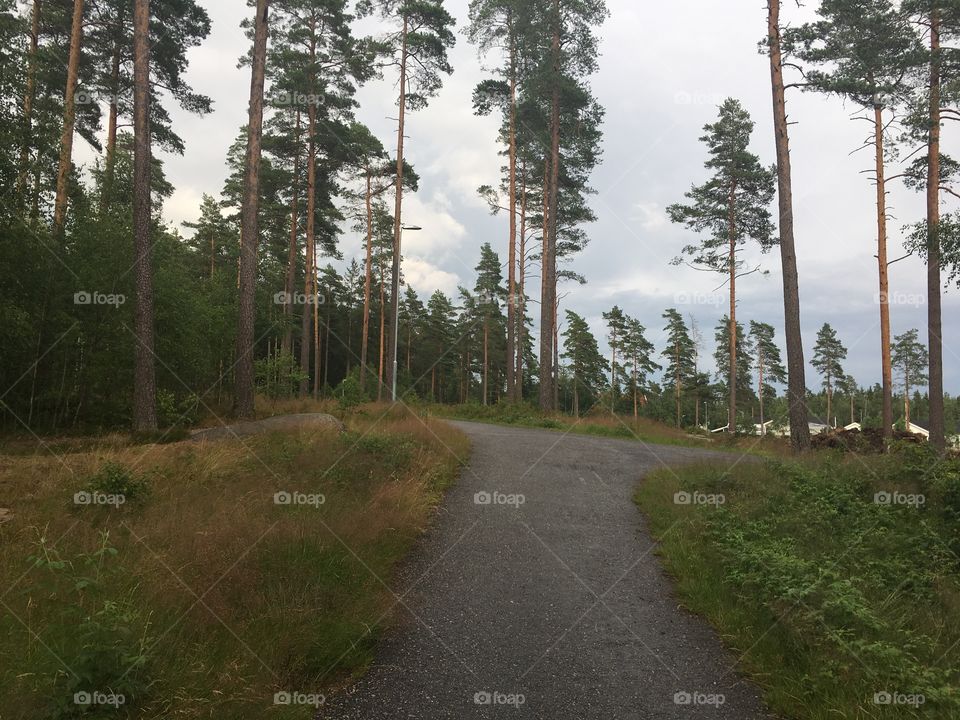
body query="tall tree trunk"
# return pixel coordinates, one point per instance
(934, 305)
(512, 244)
(732, 412)
(906, 399)
(549, 290)
(69, 121)
(308, 338)
(829, 401)
(315, 304)
(110, 151)
(29, 92)
(486, 359)
(796, 370)
(613, 372)
(383, 333)
(521, 314)
(367, 279)
(249, 222)
(677, 382)
(290, 281)
(144, 379)
(763, 430)
(884, 270)
(397, 213)
(556, 354)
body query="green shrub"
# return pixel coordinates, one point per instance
(117, 480)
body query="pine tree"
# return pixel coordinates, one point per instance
(742, 377)
(797, 388)
(637, 354)
(730, 208)
(828, 355)
(680, 354)
(490, 294)
(249, 233)
(941, 21)
(768, 363)
(587, 365)
(868, 49)
(910, 358)
(616, 329)
(419, 48)
(144, 393)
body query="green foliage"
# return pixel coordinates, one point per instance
(103, 642)
(349, 394)
(279, 376)
(117, 480)
(859, 589)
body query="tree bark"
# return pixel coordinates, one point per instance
(249, 222)
(521, 314)
(308, 337)
(69, 121)
(290, 281)
(30, 89)
(512, 244)
(397, 213)
(732, 229)
(884, 269)
(110, 151)
(760, 390)
(549, 290)
(367, 281)
(796, 370)
(144, 379)
(934, 305)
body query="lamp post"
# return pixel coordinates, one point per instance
(395, 293)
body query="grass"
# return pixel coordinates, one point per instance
(602, 423)
(199, 596)
(831, 599)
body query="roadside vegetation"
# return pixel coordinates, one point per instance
(834, 578)
(199, 580)
(601, 422)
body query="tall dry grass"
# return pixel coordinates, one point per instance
(200, 597)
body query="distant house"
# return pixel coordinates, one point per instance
(853, 426)
(815, 424)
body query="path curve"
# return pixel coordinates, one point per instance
(560, 599)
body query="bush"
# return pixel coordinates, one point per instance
(115, 479)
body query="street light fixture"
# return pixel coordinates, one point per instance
(396, 310)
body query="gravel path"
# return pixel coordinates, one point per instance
(554, 609)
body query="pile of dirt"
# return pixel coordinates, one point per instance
(865, 442)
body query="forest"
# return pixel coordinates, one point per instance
(114, 318)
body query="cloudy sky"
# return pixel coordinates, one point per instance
(664, 69)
